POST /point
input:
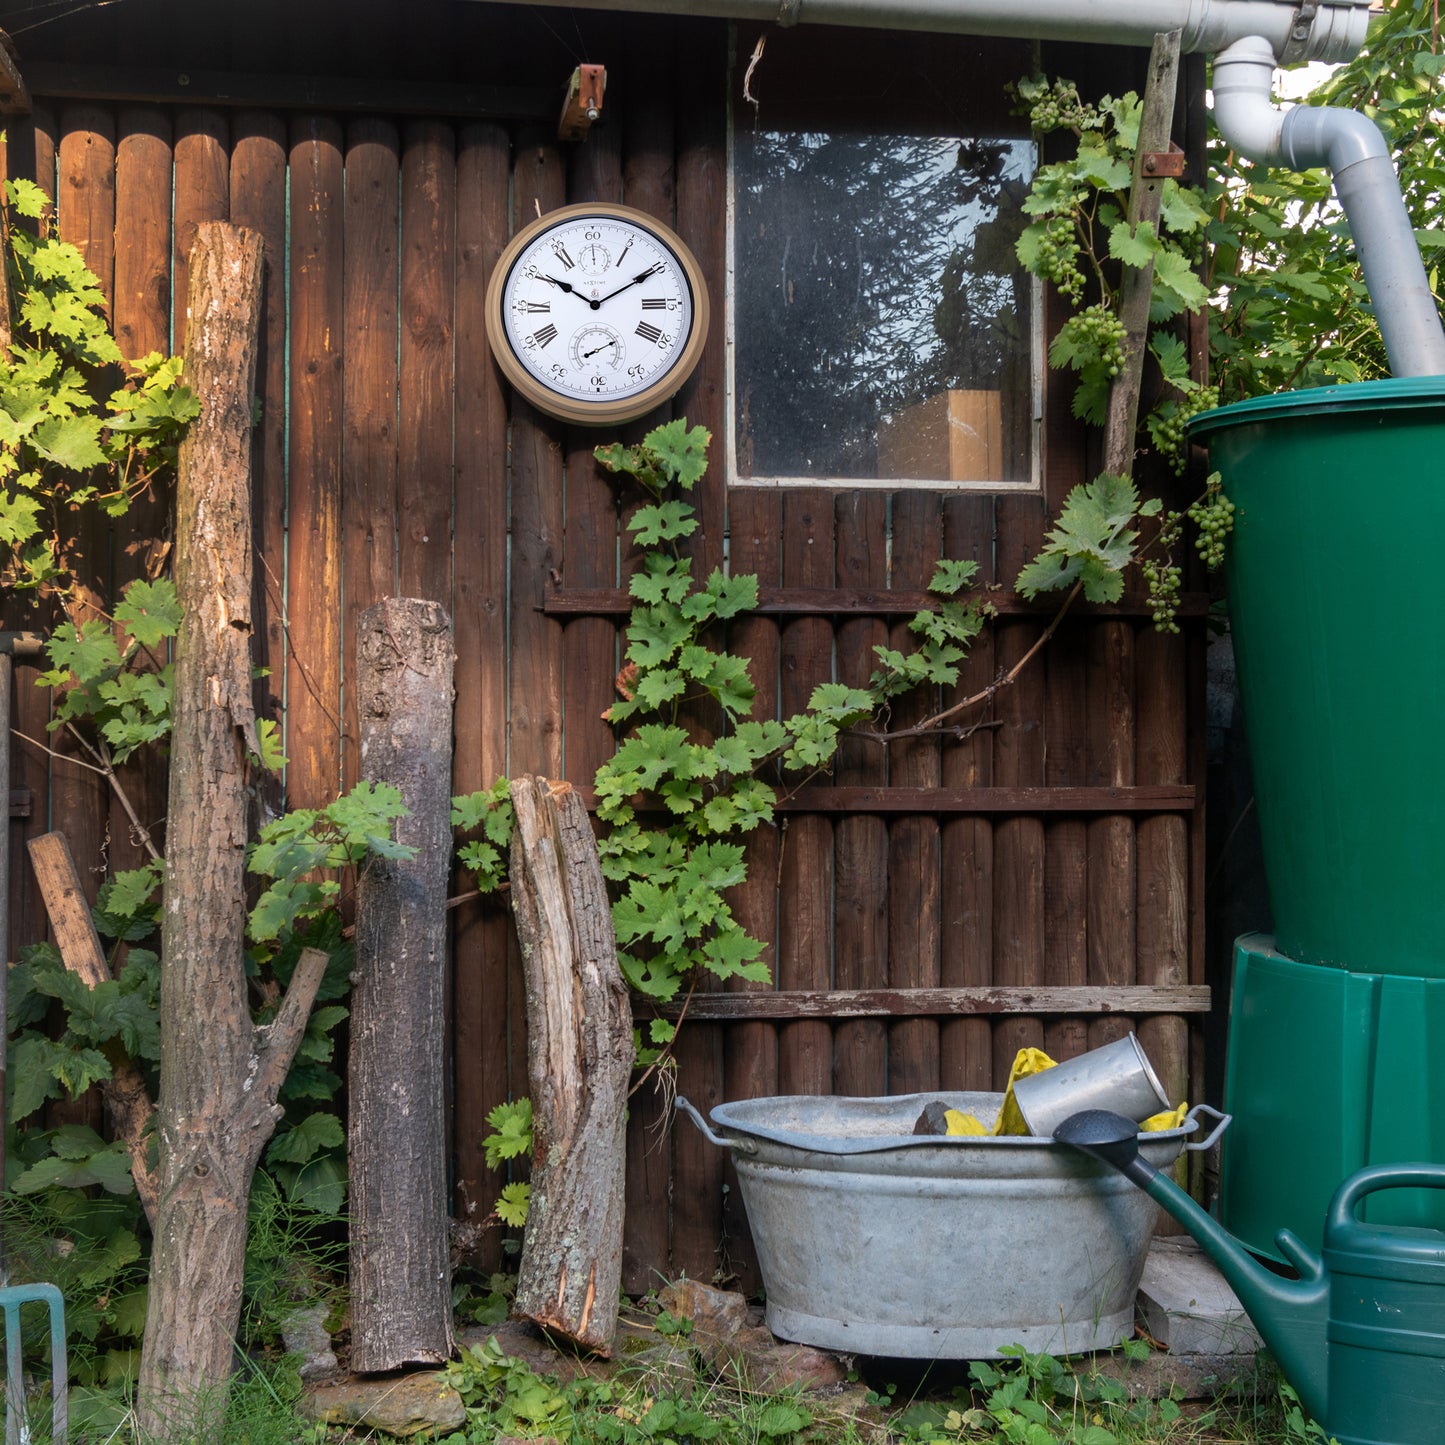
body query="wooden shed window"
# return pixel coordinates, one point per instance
(882, 331)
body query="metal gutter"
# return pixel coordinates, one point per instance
(1330, 31)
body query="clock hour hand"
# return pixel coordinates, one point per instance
(636, 280)
(565, 286)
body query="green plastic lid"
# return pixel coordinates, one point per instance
(1392, 394)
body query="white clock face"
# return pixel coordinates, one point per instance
(599, 311)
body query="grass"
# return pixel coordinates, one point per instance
(1024, 1400)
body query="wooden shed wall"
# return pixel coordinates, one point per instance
(1059, 845)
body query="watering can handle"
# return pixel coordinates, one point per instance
(1380, 1176)
(743, 1146)
(1221, 1123)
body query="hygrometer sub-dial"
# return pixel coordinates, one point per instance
(594, 258)
(595, 346)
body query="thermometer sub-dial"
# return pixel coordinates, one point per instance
(597, 345)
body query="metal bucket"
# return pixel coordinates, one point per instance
(876, 1241)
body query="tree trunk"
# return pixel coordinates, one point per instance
(401, 1308)
(579, 1058)
(220, 1074)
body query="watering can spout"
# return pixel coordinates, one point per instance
(1290, 1315)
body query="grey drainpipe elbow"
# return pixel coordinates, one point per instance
(1355, 152)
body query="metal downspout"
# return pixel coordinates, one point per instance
(1355, 152)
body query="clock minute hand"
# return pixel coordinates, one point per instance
(641, 276)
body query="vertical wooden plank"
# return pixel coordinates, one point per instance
(370, 433)
(913, 842)
(203, 193)
(29, 150)
(84, 192)
(965, 1046)
(590, 547)
(1163, 849)
(750, 1064)
(697, 1195)
(860, 842)
(79, 799)
(805, 874)
(143, 220)
(535, 640)
(1066, 840)
(258, 200)
(428, 243)
(702, 195)
(142, 313)
(1111, 881)
(1018, 759)
(479, 610)
(649, 183)
(313, 573)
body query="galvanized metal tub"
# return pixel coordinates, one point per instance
(876, 1241)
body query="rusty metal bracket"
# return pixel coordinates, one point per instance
(1299, 33)
(1163, 163)
(583, 103)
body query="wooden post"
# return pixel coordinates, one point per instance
(580, 1053)
(401, 1307)
(1146, 194)
(220, 1073)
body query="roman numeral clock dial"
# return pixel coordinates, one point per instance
(596, 313)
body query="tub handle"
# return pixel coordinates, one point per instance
(1221, 1123)
(743, 1146)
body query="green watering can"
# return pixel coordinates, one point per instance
(1361, 1334)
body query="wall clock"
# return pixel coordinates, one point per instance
(596, 313)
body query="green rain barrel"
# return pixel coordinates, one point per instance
(1337, 608)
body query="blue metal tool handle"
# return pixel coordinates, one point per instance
(1351, 1193)
(1221, 1123)
(743, 1146)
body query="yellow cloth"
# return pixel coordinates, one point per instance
(960, 1123)
(1010, 1121)
(1169, 1119)
(1026, 1062)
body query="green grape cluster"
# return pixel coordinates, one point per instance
(1058, 253)
(1099, 330)
(1163, 577)
(1167, 425)
(1059, 108)
(1213, 514)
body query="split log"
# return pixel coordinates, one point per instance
(127, 1100)
(401, 1307)
(220, 1072)
(579, 1059)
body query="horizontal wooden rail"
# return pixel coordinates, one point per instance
(289, 92)
(931, 1002)
(22, 802)
(864, 602)
(980, 802)
(975, 801)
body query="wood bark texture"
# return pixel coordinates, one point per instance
(128, 1104)
(579, 1029)
(220, 1074)
(400, 1258)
